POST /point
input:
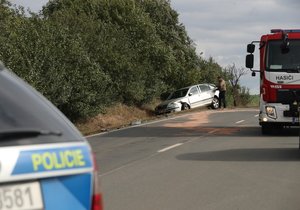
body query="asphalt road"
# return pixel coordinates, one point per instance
(202, 160)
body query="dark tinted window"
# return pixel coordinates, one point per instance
(279, 61)
(22, 108)
(179, 93)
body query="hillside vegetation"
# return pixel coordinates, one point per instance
(88, 55)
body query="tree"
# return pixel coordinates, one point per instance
(85, 55)
(210, 70)
(234, 75)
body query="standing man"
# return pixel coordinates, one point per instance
(222, 89)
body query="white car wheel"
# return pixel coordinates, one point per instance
(215, 103)
(185, 106)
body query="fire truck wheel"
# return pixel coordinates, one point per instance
(266, 129)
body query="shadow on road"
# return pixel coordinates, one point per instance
(266, 154)
(200, 131)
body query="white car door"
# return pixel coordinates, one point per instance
(206, 95)
(194, 97)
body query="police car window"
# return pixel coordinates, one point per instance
(194, 90)
(23, 110)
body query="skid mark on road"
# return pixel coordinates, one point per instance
(192, 121)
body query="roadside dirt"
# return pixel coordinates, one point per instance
(121, 116)
(116, 117)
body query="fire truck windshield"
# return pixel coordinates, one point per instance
(289, 61)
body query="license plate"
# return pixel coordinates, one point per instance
(21, 196)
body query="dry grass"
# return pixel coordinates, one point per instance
(120, 116)
(116, 117)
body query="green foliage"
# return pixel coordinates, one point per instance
(244, 96)
(240, 94)
(254, 100)
(84, 55)
(54, 60)
(210, 70)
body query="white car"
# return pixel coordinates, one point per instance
(190, 97)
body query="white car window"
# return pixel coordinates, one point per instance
(204, 88)
(194, 90)
(211, 86)
(178, 93)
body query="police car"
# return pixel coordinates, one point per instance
(45, 163)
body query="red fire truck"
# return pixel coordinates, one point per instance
(279, 54)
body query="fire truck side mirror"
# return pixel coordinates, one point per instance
(250, 48)
(249, 61)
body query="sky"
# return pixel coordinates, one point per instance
(221, 29)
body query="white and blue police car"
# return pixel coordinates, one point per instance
(45, 163)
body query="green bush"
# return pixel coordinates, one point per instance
(85, 55)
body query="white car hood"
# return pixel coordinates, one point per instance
(176, 100)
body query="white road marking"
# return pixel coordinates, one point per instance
(256, 115)
(239, 121)
(136, 161)
(170, 147)
(213, 131)
(127, 165)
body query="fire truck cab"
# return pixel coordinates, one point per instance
(279, 70)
